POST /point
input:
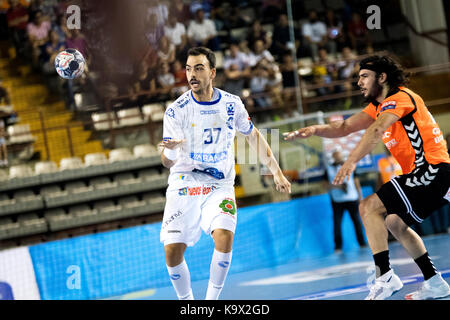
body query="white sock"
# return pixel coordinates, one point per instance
(181, 281)
(220, 264)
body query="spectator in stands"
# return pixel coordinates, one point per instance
(270, 9)
(358, 33)
(324, 71)
(261, 55)
(3, 149)
(335, 30)
(203, 5)
(344, 197)
(47, 9)
(256, 32)
(154, 31)
(347, 68)
(181, 84)
(145, 84)
(159, 10)
(315, 35)
(76, 40)
(236, 69)
(38, 31)
(52, 48)
(61, 28)
(165, 82)
(259, 87)
(202, 32)
(288, 71)
(166, 50)
(176, 32)
(18, 17)
(180, 10)
(281, 39)
(4, 95)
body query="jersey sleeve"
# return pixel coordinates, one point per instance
(400, 105)
(243, 122)
(371, 111)
(172, 124)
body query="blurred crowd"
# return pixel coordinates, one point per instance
(259, 65)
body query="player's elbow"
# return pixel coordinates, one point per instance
(166, 162)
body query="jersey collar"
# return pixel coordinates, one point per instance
(208, 103)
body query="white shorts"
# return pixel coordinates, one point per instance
(193, 207)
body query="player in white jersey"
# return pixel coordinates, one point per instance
(198, 142)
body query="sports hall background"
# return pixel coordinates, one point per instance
(83, 190)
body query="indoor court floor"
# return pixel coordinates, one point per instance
(339, 276)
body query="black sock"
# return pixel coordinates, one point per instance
(382, 262)
(426, 266)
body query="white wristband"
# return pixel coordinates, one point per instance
(171, 154)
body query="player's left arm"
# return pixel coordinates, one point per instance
(368, 142)
(258, 143)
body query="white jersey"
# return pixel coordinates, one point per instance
(208, 129)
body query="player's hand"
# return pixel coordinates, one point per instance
(300, 133)
(171, 144)
(281, 183)
(345, 172)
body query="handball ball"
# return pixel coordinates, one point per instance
(69, 63)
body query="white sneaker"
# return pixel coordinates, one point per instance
(385, 286)
(434, 288)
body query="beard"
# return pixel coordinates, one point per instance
(374, 92)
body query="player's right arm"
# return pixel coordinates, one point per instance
(335, 129)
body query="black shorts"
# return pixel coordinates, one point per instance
(416, 195)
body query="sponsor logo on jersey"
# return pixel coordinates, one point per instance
(196, 191)
(170, 113)
(171, 218)
(230, 123)
(228, 207)
(209, 157)
(388, 105)
(207, 112)
(230, 108)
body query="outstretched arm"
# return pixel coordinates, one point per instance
(258, 143)
(335, 129)
(368, 142)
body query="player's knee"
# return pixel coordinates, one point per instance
(223, 240)
(395, 224)
(369, 206)
(174, 253)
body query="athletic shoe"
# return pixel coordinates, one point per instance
(385, 286)
(434, 288)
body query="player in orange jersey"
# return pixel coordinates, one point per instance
(400, 118)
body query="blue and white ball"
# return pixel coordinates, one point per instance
(69, 64)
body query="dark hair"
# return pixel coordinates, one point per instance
(206, 52)
(396, 75)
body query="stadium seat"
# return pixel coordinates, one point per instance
(120, 154)
(51, 191)
(105, 206)
(131, 202)
(148, 174)
(3, 175)
(5, 200)
(130, 117)
(126, 178)
(70, 163)
(45, 167)
(20, 171)
(219, 59)
(100, 120)
(7, 224)
(93, 159)
(151, 198)
(145, 150)
(80, 210)
(77, 187)
(29, 219)
(56, 214)
(24, 195)
(102, 183)
(153, 112)
(239, 33)
(20, 133)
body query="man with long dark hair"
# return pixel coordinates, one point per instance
(400, 118)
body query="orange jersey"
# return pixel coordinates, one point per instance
(415, 139)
